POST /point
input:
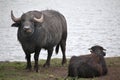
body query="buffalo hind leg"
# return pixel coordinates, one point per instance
(36, 56)
(28, 58)
(63, 48)
(47, 64)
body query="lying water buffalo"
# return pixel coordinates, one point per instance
(88, 66)
(41, 29)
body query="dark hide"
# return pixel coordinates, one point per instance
(88, 66)
(34, 35)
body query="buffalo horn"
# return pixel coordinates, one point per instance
(40, 20)
(14, 18)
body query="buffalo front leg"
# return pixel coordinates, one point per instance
(36, 56)
(47, 64)
(28, 58)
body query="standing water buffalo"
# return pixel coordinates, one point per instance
(41, 29)
(87, 66)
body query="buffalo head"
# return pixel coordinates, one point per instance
(98, 50)
(27, 22)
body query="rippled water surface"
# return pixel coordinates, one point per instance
(90, 22)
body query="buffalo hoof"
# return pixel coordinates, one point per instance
(64, 61)
(46, 65)
(28, 68)
(36, 68)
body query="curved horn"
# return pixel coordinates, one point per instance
(40, 20)
(14, 18)
(104, 49)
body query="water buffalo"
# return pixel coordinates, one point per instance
(41, 30)
(88, 66)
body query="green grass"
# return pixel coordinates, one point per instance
(16, 70)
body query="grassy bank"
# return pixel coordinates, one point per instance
(16, 71)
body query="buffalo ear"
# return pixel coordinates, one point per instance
(15, 25)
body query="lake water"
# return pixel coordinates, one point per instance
(90, 22)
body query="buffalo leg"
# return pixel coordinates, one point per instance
(28, 57)
(36, 56)
(47, 64)
(63, 48)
